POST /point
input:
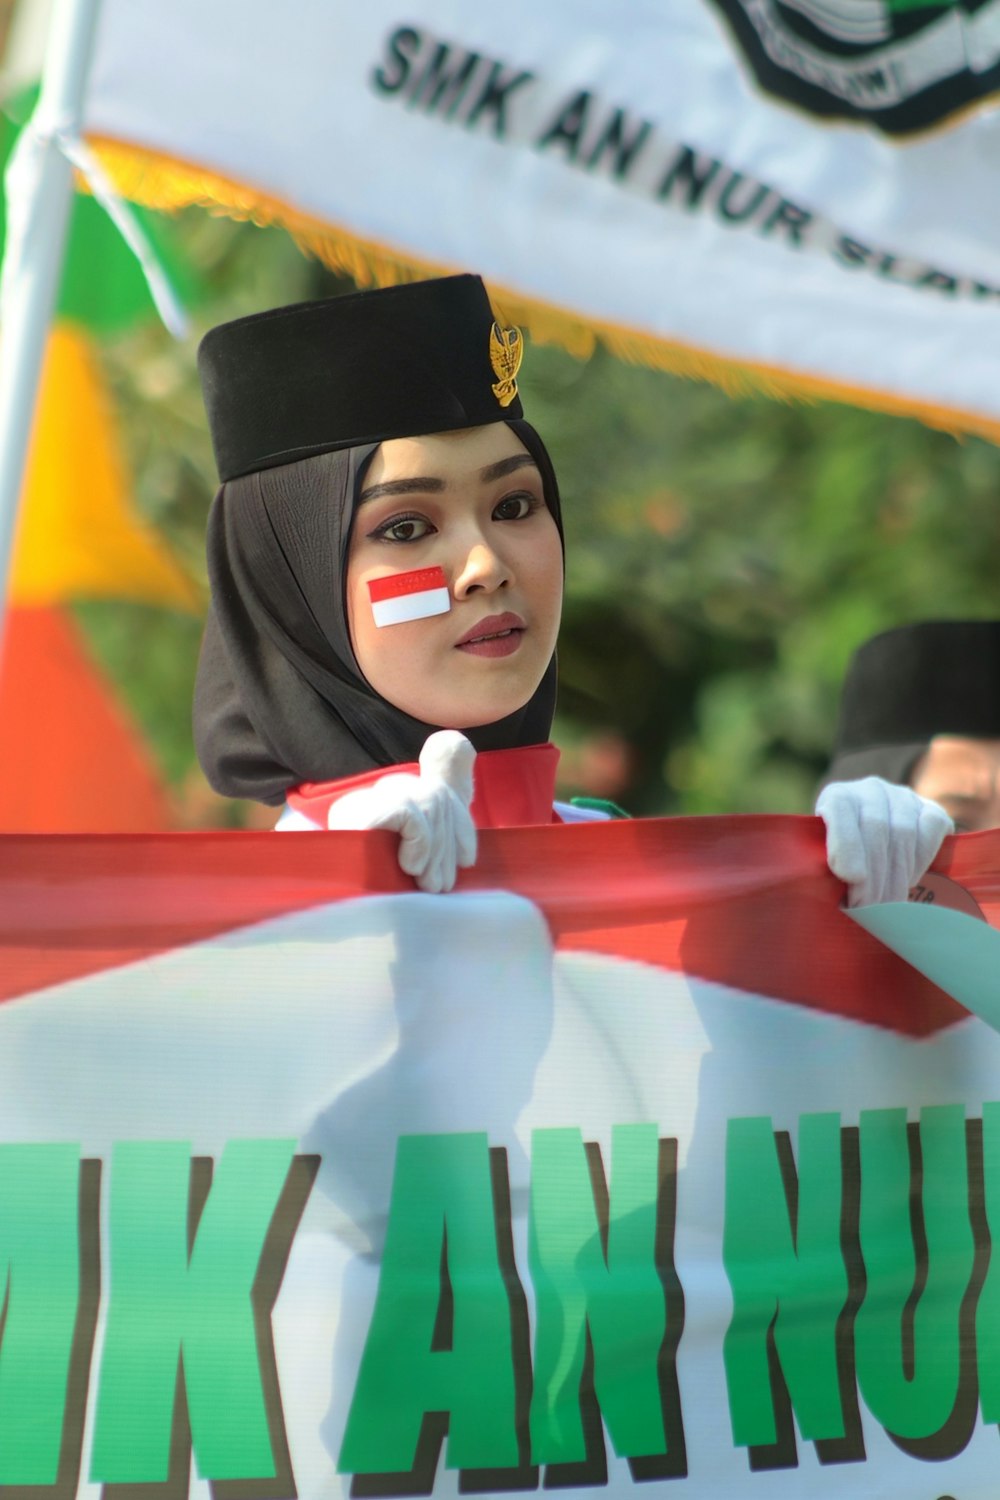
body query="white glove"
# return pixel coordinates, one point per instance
(880, 838)
(429, 811)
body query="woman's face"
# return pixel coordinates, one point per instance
(471, 503)
(963, 775)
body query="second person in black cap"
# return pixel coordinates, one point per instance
(386, 566)
(921, 706)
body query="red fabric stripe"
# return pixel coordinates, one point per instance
(746, 902)
(398, 584)
(513, 788)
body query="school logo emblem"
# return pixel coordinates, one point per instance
(506, 352)
(899, 65)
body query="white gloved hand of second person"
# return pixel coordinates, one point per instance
(430, 812)
(880, 838)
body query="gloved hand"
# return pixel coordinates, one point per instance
(430, 812)
(880, 838)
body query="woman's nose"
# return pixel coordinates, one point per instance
(481, 568)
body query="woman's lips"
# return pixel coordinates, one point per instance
(497, 635)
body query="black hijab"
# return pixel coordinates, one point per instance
(280, 698)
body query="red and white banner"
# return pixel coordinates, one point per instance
(634, 1158)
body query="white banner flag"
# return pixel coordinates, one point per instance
(800, 196)
(653, 1166)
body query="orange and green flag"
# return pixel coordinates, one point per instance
(71, 757)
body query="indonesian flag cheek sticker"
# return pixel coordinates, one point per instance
(409, 596)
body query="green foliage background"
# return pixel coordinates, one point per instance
(724, 556)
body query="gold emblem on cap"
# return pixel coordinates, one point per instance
(506, 351)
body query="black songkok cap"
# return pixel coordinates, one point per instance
(907, 685)
(399, 362)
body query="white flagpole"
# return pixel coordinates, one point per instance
(39, 194)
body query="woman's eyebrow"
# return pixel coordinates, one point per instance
(506, 466)
(418, 486)
(401, 487)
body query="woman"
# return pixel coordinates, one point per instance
(385, 557)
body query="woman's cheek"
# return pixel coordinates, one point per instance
(392, 658)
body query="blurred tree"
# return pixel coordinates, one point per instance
(727, 556)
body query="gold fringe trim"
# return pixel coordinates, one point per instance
(163, 183)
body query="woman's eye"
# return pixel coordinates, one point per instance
(515, 507)
(403, 529)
